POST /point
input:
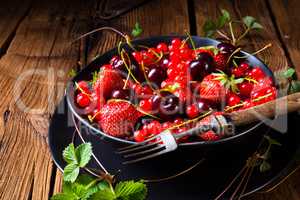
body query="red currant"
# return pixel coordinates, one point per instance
(146, 104)
(245, 88)
(192, 111)
(233, 99)
(139, 135)
(256, 73)
(237, 72)
(83, 86)
(244, 67)
(82, 100)
(162, 47)
(176, 42)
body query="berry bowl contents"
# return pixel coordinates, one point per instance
(138, 90)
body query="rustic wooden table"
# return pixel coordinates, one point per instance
(35, 37)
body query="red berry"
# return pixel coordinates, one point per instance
(96, 115)
(244, 67)
(221, 61)
(256, 73)
(83, 86)
(138, 57)
(247, 104)
(139, 135)
(153, 127)
(233, 99)
(166, 125)
(178, 121)
(146, 104)
(245, 88)
(192, 111)
(162, 47)
(237, 72)
(82, 100)
(176, 43)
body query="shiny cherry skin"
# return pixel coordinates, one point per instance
(226, 48)
(201, 67)
(82, 100)
(233, 99)
(120, 94)
(156, 75)
(245, 88)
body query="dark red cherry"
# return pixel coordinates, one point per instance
(120, 94)
(156, 75)
(201, 67)
(226, 48)
(118, 64)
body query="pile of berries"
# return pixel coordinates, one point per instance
(140, 94)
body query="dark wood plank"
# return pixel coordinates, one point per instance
(286, 16)
(41, 45)
(275, 56)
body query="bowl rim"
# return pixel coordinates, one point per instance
(124, 141)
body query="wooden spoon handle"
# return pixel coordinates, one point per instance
(280, 106)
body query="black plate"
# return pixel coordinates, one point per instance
(203, 182)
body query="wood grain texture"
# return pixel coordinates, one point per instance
(275, 57)
(287, 18)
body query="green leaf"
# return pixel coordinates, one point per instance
(264, 166)
(223, 19)
(288, 73)
(105, 194)
(69, 154)
(137, 30)
(249, 21)
(95, 77)
(209, 28)
(72, 73)
(84, 153)
(272, 141)
(131, 190)
(295, 86)
(64, 196)
(257, 26)
(71, 172)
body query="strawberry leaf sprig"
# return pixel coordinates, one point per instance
(229, 82)
(78, 186)
(224, 24)
(294, 85)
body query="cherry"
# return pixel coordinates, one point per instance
(82, 100)
(233, 99)
(245, 88)
(96, 114)
(226, 48)
(118, 64)
(164, 63)
(192, 111)
(120, 94)
(156, 75)
(162, 47)
(201, 67)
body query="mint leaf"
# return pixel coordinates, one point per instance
(131, 190)
(137, 30)
(257, 26)
(71, 172)
(288, 73)
(63, 196)
(84, 153)
(69, 154)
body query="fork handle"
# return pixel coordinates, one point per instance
(280, 106)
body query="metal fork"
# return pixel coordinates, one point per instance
(166, 141)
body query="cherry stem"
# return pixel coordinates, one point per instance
(232, 33)
(237, 50)
(222, 34)
(243, 35)
(256, 52)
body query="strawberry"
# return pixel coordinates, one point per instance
(212, 89)
(118, 118)
(221, 61)
(108, 80)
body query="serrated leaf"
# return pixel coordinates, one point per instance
(69, 154)
(209, 28)
(295, 86)
(106, 194)
(264, 166)
(137, 30)
(71, 172)
(64, 196)
(288, 73)
(131, 190)
(84, 153)
(249, 21)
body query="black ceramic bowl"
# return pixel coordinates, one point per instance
(242, 133)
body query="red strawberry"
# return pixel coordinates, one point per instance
(211, 89)
(221, 61)
(108, 80)
(118, 118)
